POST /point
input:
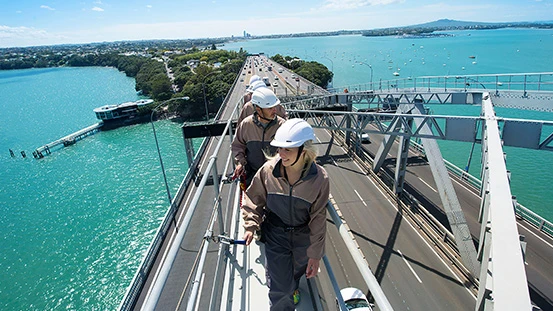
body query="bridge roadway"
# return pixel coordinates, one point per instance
(411, 273)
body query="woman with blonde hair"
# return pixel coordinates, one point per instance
(287, 198)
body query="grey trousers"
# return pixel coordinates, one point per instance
(286, 255)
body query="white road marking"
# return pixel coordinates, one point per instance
(409, 265)
(360, 198)
(424, 182)
(537, 236)
(462, 185)
(415, 230)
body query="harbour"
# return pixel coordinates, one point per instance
(61, 202)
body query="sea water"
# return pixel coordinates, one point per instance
(76, 224)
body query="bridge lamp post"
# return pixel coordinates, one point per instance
(371, 67)
(332, 69)
(203, 90)
(157, 143)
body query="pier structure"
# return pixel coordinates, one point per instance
(65, 141)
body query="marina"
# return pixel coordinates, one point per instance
(111, 116)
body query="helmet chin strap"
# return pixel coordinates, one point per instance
(261, 116)
(300, 149)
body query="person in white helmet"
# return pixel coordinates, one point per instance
(248, 94)
(248, 107)
(254, 134)
(287, 198)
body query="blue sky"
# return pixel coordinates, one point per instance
(45, 22)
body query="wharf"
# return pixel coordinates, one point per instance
(68, 140)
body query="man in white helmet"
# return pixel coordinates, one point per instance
(254, 134)
(288, 197)
(248, 107)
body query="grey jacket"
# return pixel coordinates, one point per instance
(251, 139)
(301, 203)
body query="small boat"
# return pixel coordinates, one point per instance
(396, 73)
(472, 56)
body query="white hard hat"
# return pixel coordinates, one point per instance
(255, 85)
(293, 133)
(264, 98)
(255, 78)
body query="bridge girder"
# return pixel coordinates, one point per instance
(503, 283)
(531, 134)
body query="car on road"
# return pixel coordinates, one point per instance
(365, 138)
(275, 84)
(354, 299)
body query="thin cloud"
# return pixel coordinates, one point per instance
(97, 9)
(355, 4)
(149, 6)
(25, 36)
(47, 7)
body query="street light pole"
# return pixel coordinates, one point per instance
(203, 90)
(157, 146)
(371, 67)
(332, 70)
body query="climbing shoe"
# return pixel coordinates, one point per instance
(296, 296)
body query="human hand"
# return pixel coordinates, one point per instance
(312, 268)
(247, 97)
(248, 237)
(238, 171)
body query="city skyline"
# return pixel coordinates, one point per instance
(37, 22)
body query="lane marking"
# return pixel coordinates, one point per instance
(424, 182)
(392, 204)
(468, 190)
(537, 236)
(409, 265)
(360, 198)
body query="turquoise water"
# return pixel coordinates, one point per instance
(495, 51)
(75, 225)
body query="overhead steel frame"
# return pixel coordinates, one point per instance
(531, 134)
(495, 291)
(452, 207)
